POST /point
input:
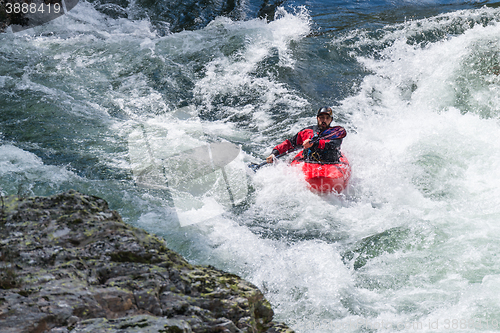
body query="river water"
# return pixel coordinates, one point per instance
(104, 98)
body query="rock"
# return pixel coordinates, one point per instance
(70, 264)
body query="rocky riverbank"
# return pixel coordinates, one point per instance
(70, 264)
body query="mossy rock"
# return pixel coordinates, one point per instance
(68, 262)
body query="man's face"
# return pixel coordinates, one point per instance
(324, 121)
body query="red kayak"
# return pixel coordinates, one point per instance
(325, 177)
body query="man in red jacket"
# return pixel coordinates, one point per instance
(327, 151)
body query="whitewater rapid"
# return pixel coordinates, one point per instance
(411, 246)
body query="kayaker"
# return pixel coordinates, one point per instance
(327, 151)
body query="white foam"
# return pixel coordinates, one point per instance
(232, 74)
(21, 171)
(425, 158)
(424, 149)
(422, 162)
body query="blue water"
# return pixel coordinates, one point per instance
(107, 98)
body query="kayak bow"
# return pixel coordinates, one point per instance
(325, 178)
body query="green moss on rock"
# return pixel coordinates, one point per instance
(69, 262)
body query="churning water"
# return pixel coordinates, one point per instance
(103, 99)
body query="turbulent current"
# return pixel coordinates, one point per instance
(120, 99)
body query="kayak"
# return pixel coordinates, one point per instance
(325, 177)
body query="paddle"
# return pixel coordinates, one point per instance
(336, 132)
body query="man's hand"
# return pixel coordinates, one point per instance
(307, 144)
(270, 158)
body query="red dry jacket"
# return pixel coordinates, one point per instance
(326, 150)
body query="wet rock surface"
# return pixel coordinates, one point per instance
(70, 264)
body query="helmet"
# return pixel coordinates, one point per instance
(325, 110)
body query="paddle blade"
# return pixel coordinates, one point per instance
(256, 167)
(336, 132)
